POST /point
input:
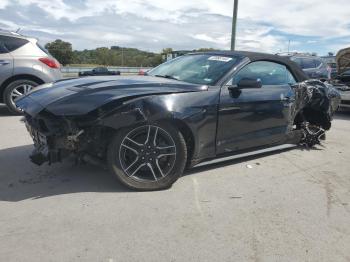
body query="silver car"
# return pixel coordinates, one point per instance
(24, 64)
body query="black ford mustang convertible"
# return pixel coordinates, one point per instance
(198, 107)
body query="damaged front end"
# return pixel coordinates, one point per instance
(55, 138)
(86, 136)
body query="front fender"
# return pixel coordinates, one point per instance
(197, 110)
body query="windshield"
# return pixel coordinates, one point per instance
(197, 69)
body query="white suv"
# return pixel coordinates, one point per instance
(24, 64)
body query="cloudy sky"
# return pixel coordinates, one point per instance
(263, 25)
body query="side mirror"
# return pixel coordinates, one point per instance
(245, 83)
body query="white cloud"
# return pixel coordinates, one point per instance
(253, 36)
(4, 3)
(311, 18)
(222, 40)
(263, 24)
(8, 24)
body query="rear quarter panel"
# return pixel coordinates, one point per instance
(26, 61)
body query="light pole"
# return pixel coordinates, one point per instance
(288, 45)
(234, 25)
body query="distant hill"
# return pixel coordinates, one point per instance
(116, 56)
(113, 56)
(122, 56)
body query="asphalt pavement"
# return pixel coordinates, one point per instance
(288, 205)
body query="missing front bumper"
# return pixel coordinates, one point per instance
(42, 155)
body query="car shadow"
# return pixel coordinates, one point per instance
(22, 180)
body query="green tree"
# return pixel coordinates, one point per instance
(205, 49)
(114, 56)
(167, 50)
(103, 56)
(61, 50)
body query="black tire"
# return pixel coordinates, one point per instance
(8, 99)
(312, 135)
(173, 164)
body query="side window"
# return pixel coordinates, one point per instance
(269, 73)
(12, 43)
(290, 78)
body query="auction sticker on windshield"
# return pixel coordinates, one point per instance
(220, 58)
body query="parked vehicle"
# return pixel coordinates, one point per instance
(342, 79)
(330, 60)
(99, 71)
(142, 72)
(333, 68)
(194, 108)
(24, 64)
(344, 91)
(315, 67)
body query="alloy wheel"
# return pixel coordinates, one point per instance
(19, 91)
(147, 153)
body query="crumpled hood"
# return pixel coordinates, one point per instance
(82, 95)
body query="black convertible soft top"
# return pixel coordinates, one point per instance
(254, 56)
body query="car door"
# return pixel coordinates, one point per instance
(6, 63)
(253, 117)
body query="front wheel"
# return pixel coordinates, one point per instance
(148, 157)
(15, 90)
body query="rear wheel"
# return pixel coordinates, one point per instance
(312, 135)
(148, 157)
(15, 90)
